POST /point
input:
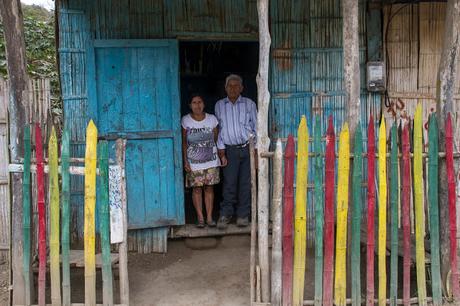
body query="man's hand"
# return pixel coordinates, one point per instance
(223, 161)
(223, 158)
(187, 166)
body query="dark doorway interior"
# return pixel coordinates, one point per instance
(203, 69)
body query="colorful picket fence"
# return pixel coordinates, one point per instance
(96, 163)
(392, 163)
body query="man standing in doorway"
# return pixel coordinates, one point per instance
(237, 116)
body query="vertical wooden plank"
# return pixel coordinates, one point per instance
(419, 209)
(433, 172)
(26, 215)
(252, 276)
(319, 212)
(329, 221)
(65, 214)
(90, 205)
(277, 225)
(356, 217)
(382, 214)
(41, 216)
(452, 207)
(370, 212)
(288, 209)
(123, 246)
(342, 218)
(54, 220)
(351, 71)
(107, 286)
(394, 219)
(300, 225)
(263, 142)
(406, 199)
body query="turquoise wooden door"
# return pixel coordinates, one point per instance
(137, 99)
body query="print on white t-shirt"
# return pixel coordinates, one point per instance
(202, 149)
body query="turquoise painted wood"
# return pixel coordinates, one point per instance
(137, 99)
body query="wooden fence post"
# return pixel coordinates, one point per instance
(263, 144)
(419, 209)
(65, 233)
(90, 205)
(370, 212)
(356, 217)
(433, 163)
(55, 271)
(41, 216)
(288, 209)
(406, 195)
(394, 219)
(452, 208)
(342, 217)
(329, 221)
(319, 211)
(382, 214)
(277, 214)
(26, 216)
(123, 246)
(300, 225)
(104, 219)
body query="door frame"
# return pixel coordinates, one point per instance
(91, 80)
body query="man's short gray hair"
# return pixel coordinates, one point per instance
(233, 77)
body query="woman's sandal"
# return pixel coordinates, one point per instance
(211, 223)
(200, 224)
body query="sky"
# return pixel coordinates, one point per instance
(48, 4)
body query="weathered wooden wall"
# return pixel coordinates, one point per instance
(413, 45)
(4, 186)
(306, 75)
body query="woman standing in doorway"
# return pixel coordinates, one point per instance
(201, 162)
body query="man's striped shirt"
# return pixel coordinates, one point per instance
(237, 121)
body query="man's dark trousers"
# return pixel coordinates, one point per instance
(237, 182)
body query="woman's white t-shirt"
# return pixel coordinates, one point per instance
(202, 149)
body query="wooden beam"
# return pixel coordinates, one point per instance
(351, 72)
(123, 247)
(191, 231)
(13, 28)
(447, 75)
(263, 143)
(252, 259)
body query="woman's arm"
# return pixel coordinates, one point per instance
(221, 153)
(216, 133)
(184, 150)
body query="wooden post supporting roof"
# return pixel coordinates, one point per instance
(263, 143)
(445, 103)
(351, 74)
(10, 11)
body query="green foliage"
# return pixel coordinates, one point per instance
(40, 42)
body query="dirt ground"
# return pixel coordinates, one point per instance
(184, 276)
(217, 275)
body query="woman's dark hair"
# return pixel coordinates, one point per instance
(194, 95)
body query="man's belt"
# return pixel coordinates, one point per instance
(238, 146)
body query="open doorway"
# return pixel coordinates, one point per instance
(204, 65)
